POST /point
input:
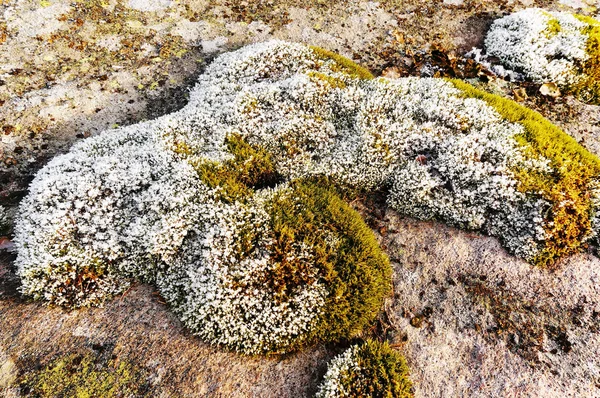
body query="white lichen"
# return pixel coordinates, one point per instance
(222, 294)
(546, 46)
(343, 373)
(3, 218)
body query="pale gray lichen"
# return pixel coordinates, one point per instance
(547, 46)
(3, 218)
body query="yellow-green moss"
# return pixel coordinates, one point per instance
(332, 81)
(567, 223)
(383, 373)
(554, 27)
(251, 167)
(85, 376)
(346, 65)
(350, 263)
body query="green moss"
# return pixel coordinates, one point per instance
(348, 259)
(85, 376)
(383, 373)
(250, 168)
(554, 27)
(567, 222)
(332, 81)
(350, 263)
(346, 65)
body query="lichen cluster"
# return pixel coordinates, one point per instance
(370, 369)
(556, 47)
(229, 207)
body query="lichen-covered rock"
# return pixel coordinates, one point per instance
(547, 46)
(218, 205)
(112, 207)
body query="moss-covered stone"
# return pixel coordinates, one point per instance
(352, 266)
(372, 369)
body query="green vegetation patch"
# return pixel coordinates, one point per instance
(354, 269)
(84, 375)
(589, 88)
(553, 27)
(567, 188)
(372, 369)
(346, 65)
(251, 167)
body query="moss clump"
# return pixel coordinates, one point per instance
(85, 376)
(250, 167)
(332, 81)
(589, 88)
(346, 65)
(350, 263)
(567, 188)
(553, 27)
(372, 369)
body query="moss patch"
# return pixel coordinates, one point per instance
(372, 369)
(346, 65)
(83, 375)
(330, 80)
(554, 27)
(385, 370)
(349, 260)
(567, 222)
(251, 167)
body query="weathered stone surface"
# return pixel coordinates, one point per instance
(474, 321)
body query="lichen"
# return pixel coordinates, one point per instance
(229, 205)
(554, 47)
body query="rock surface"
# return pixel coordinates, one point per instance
(471, 320)
(476, 322)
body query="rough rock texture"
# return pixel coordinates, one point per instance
(474, 321)
(490, 325)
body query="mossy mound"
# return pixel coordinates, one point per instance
(228, 206)
(371, 369)
(352, 266)
(301, 267)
